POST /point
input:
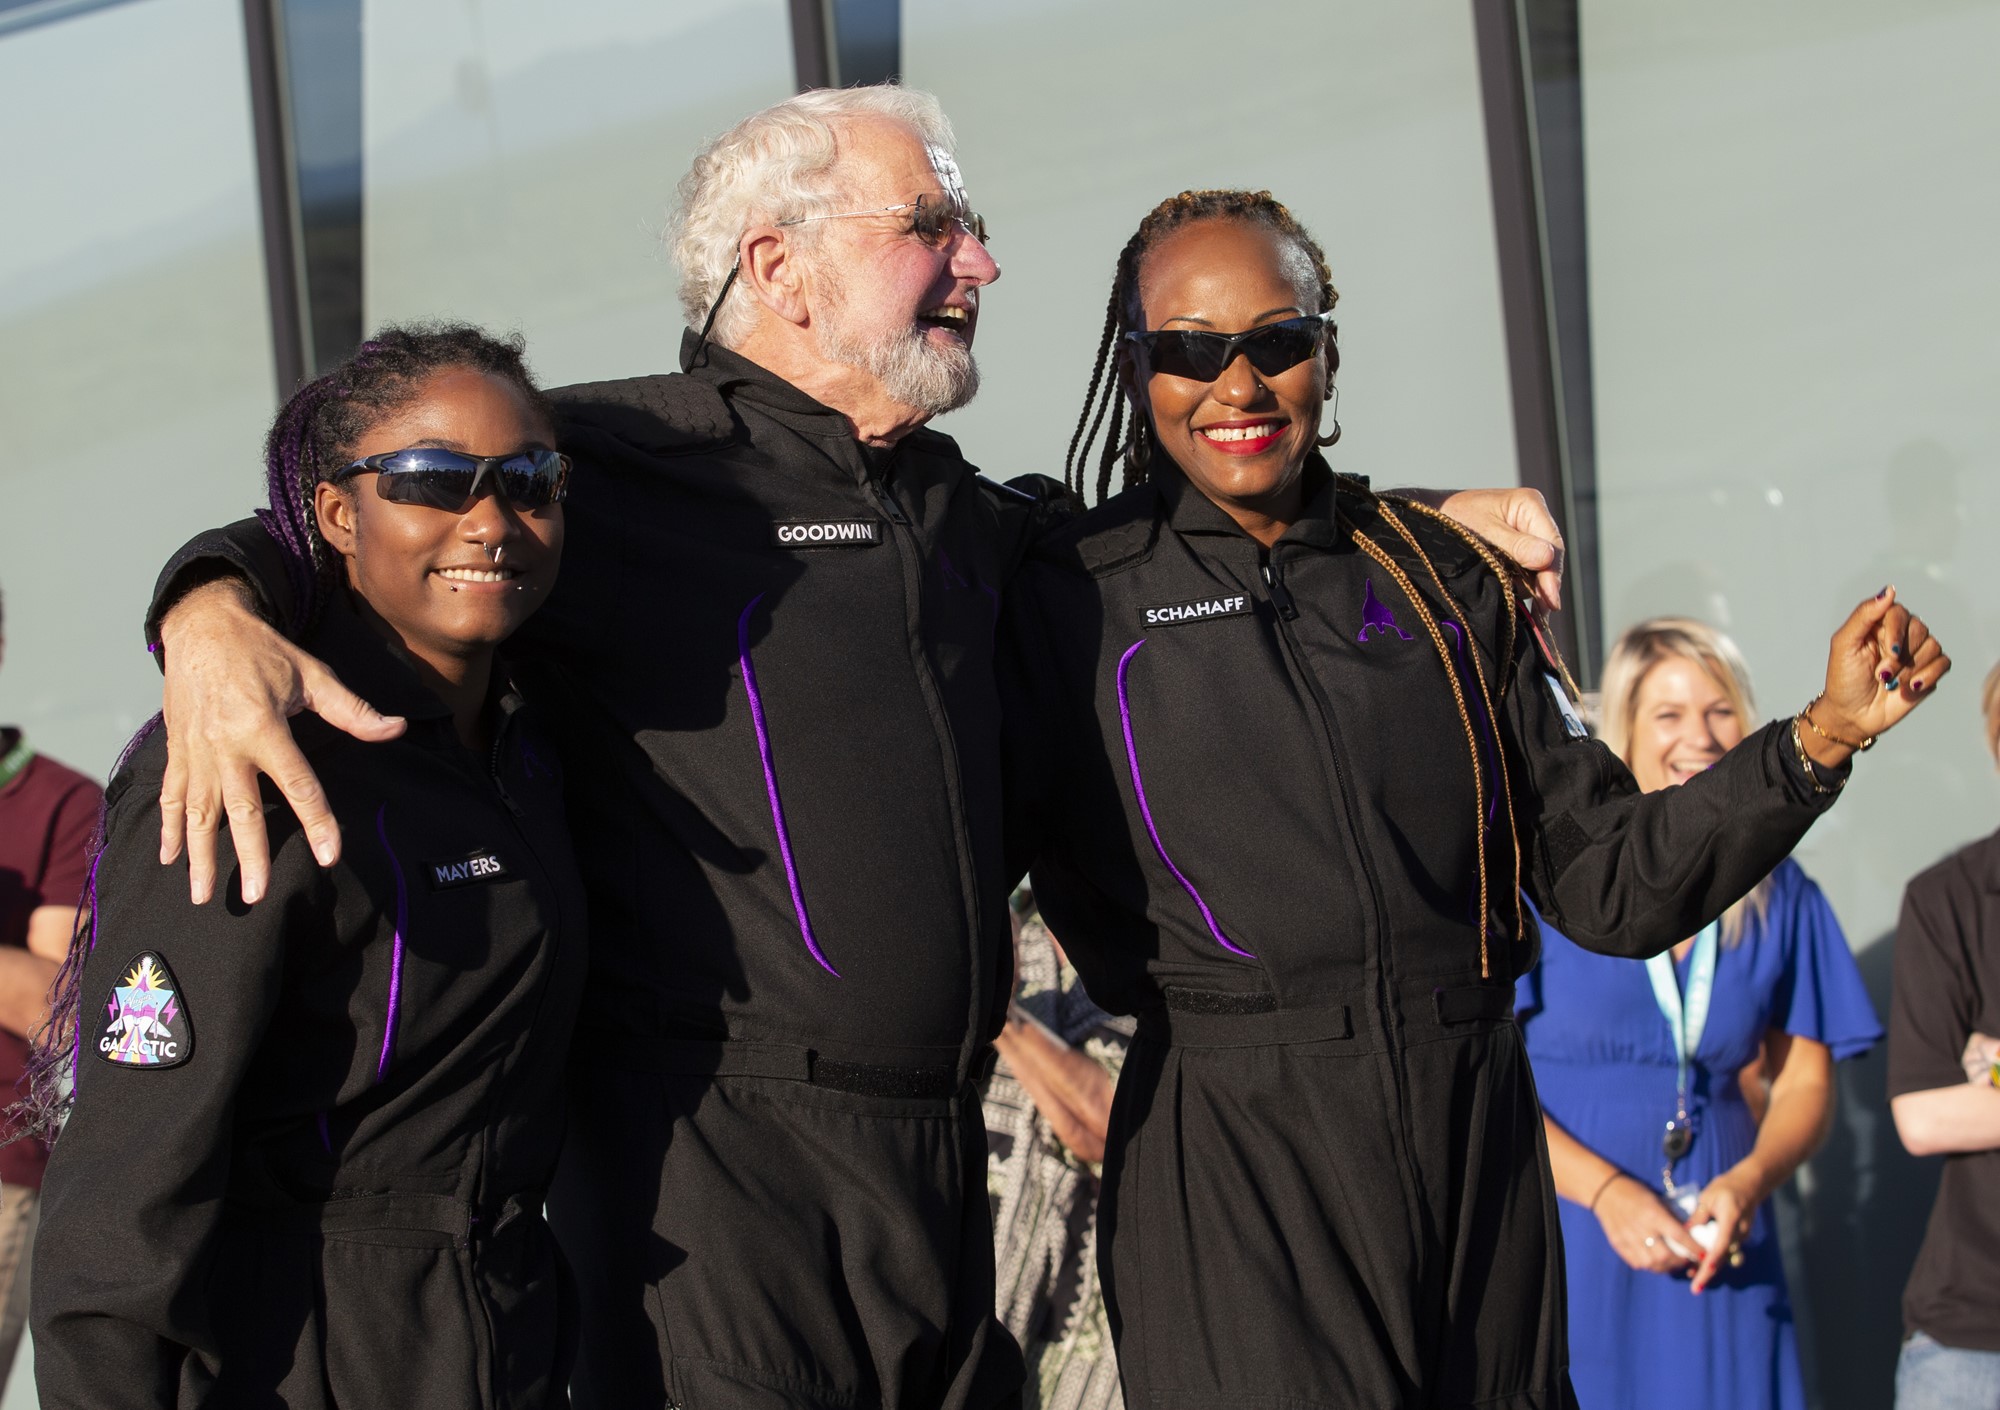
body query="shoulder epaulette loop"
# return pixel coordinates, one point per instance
(1117, 534)
(664, 414)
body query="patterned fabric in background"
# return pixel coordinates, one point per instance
(1045, 1200)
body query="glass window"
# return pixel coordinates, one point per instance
(520, 160)
(1364, 119)
(134, 345)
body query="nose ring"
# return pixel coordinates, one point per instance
(496, 552)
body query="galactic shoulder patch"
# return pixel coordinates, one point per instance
(826, 533)
(146, 1021)
(1200, 610)
(483, 864)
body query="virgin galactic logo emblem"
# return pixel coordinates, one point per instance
(146, 1021)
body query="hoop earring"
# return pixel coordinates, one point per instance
(1331, 438)
(1138, 452)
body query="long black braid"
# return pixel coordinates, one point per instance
(1123, 314)
(311, 439)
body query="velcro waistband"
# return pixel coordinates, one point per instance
(1198, 1018)
(788, 1062)
(398, 1212)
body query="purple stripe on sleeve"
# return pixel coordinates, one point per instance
(325, 1134)
(771, 784)
(1146, 811)
(396, 951)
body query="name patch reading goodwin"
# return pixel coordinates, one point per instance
(480, 866)
(1200, 610)
(827, 533)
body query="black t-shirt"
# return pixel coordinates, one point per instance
(1947, 986)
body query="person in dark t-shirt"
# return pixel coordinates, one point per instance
(47, 812)
(1944, 1092)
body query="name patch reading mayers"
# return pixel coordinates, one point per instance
(827, 533)
(146, 1021)
(1199, 610)
(480, 866)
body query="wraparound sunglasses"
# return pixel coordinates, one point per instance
(444, 479)
(1272, 348)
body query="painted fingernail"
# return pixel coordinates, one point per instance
(1896, 649)
(1884, 592)
(1887, 676)
(1916, 686)
(1889, 684)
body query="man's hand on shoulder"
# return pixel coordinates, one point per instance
(1517, 522)
(232, 682)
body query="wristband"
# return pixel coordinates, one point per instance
(1608, 1179)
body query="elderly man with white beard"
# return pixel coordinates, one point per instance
(768, 665)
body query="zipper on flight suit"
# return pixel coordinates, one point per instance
(910, 554)
(1287, 611)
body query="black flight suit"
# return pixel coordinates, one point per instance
(312, 1137)
(773, 650)
(1252, 799)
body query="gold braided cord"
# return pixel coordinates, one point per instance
(1511, 575)
(1486, 698)
(1424, 614)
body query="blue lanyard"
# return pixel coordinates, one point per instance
(1686, 1019)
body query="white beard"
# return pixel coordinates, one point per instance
(912, 369)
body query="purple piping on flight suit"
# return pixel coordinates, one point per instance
(396, 952)
(1485, 727)
(1146, 811)
(771, 784)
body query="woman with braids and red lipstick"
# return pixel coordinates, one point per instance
(309, 1143)
(1284, 754)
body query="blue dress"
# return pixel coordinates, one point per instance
(1603, 1060)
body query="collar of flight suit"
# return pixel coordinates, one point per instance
(1188, 511)
(381, 672)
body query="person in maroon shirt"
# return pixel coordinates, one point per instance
(47, 813)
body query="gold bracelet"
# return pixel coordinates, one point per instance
(1813, 725)
(1805, 760)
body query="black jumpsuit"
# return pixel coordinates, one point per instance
(1253, 802)
(312, 1137)
(773, 648)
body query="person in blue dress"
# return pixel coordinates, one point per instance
(1676, 1287)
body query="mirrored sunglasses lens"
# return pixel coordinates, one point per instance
(438, 487)
(530, 484)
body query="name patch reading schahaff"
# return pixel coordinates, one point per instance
(1200, 610)
(827, 533)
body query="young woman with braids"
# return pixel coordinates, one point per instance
(1284, 754)
(309, 1143)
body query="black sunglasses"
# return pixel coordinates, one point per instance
(444, 479)
(1273, 348)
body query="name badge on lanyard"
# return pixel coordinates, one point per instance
(1687, 1018)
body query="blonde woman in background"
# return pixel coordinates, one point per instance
(1662, 1163)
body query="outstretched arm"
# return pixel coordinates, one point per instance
(232, 681)
(1630, 874)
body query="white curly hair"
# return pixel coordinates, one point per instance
(777, 164)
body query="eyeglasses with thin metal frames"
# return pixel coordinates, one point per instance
(928, 222)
